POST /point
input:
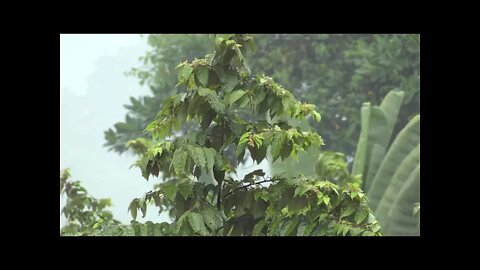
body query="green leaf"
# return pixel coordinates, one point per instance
(240, 151)
(399, 178)
(320, 229)
(197, 155)
(202, 75)
(212, 218)
(215, 102)
(258, 154)
(244, 101)
(143, 166)
(143, 207)
(289, 227)
(196, 221)
(209, 157)
(316, 116)
(258, 139)
(361, 215)
(259, 208)
(234, 96)
(231, 80)
(260, 95)
(244, 138)
(277, 144)
(326, 200)
(180, 224)
(150, 126)
(308, 229)
(407, 140)
(376, 228)
(203, 92)
(297, 204)
(376, 155)
(185, 189)
(355, 231)
(400, 218)
(133, 208)
(301, 228)
(361, 153)
(301, 189)
(186, 71)
(350, 209)
(257, 230)
(286, 150)
(98, 224)
(213, 80)
(179, 161)
(391, 107)
(170, 190)
(218, 42)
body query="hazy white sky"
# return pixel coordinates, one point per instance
(80, 51)
(93, 90)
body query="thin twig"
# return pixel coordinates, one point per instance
(264, 181)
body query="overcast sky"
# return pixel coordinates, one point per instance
(93, 90)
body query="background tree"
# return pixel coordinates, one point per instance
(85, 214)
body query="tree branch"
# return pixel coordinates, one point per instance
(257, 183)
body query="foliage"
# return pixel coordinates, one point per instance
(335, 72)
(229, 110)
(291, 207)
(159, 74)
(377, 127)
(339, 72)
(332, 166)
(390, 170)
(85, 214)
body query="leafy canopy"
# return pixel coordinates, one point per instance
(85, 214)
(337, 72)
(230, 110)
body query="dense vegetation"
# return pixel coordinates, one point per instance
(195, 136)
(335, 72)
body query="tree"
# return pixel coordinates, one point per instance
(390, 166)
(229, 110)
(85, 214)
(387, 167)
(335, 72)
(159, 74)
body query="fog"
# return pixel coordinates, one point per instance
(93, 90)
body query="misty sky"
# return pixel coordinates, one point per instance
(93, 90)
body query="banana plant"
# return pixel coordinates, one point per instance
(390, 171)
